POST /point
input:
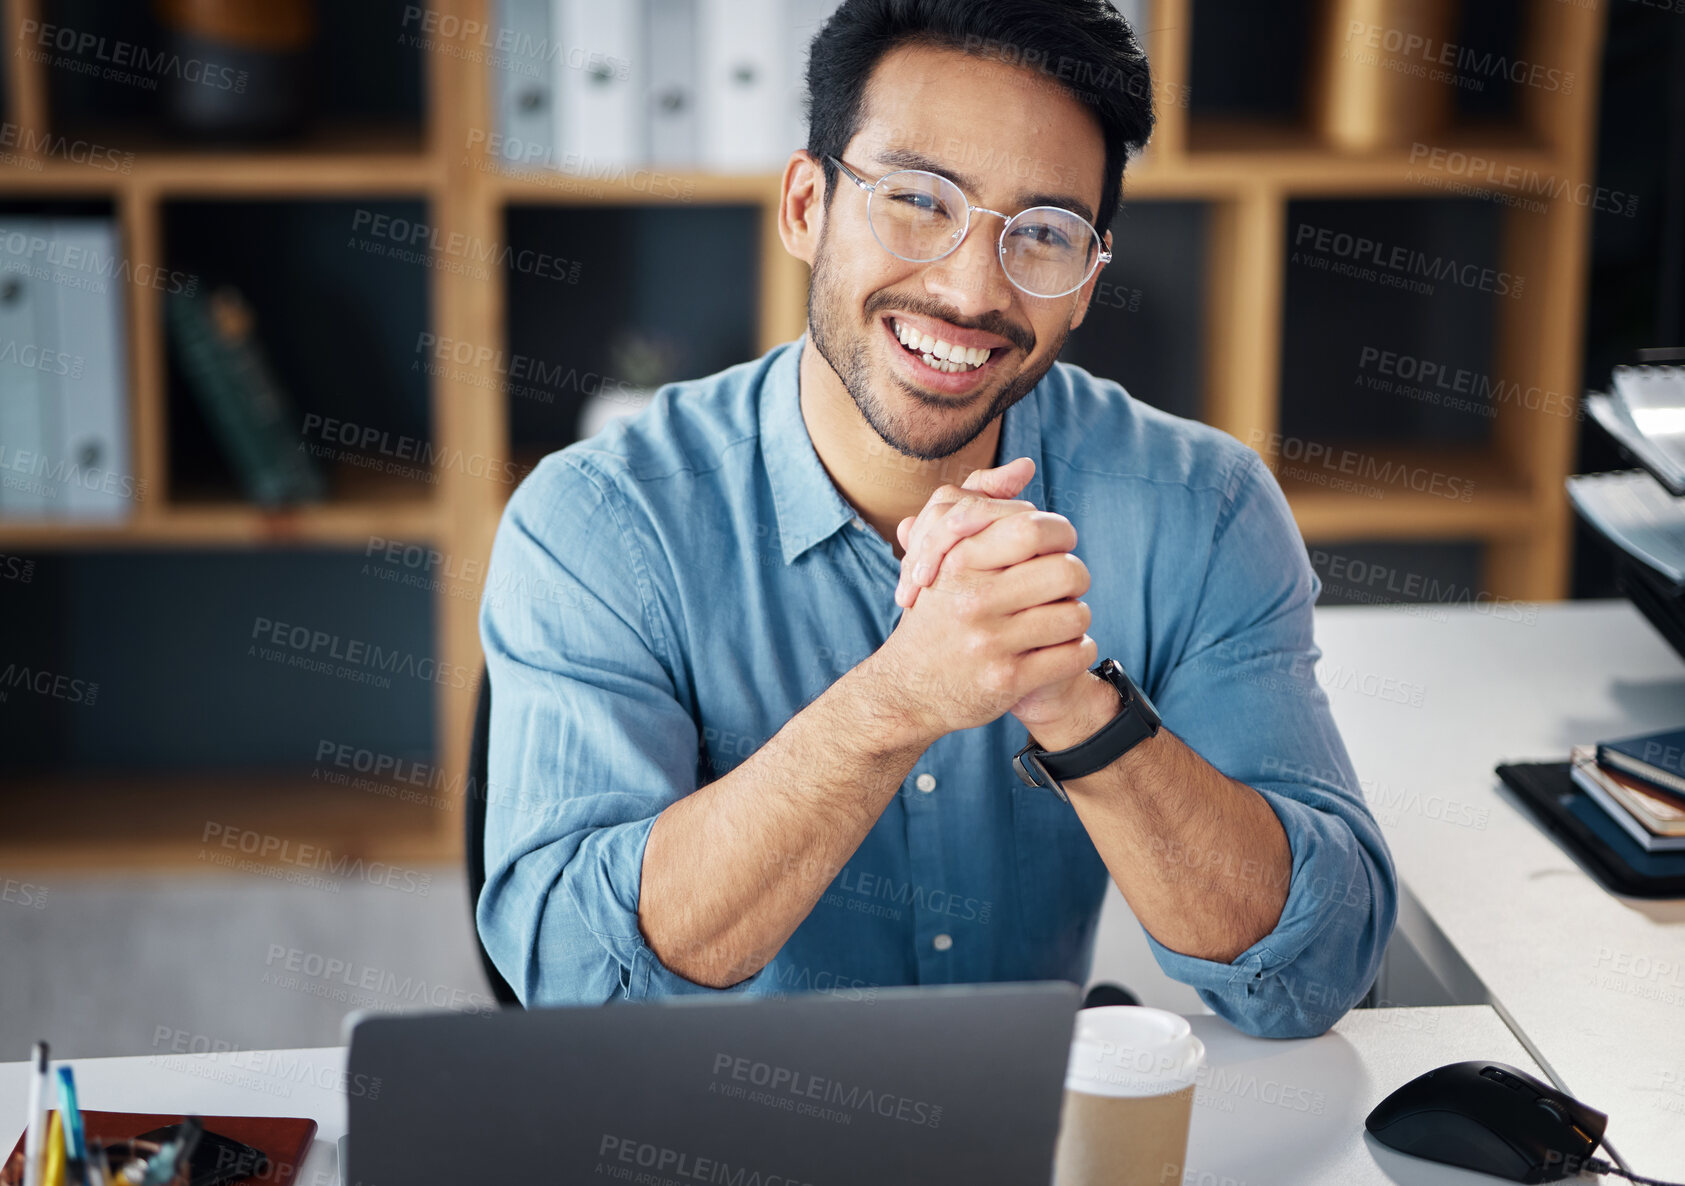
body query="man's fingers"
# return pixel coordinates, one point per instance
(931, 539)
(1049, 625)
(921, 559)
(1053, 577)
(1048, 665)
(1013, 539)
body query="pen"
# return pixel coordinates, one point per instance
(37, 1132)
(52, 1160)
(75, 1144)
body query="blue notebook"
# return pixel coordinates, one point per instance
(1657, 758)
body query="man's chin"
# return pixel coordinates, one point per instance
(930, 438)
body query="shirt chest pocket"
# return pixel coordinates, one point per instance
(1060, 877)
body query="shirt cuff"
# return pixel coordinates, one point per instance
(606, 897)
(1329, 878)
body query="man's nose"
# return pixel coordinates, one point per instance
(971, 279)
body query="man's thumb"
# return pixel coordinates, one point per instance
(1003, 481)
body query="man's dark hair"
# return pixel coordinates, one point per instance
(1082, 46)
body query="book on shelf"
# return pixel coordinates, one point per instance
(1655, 821)
(64, 422)
(249, 411)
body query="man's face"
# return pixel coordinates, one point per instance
(1011, 139)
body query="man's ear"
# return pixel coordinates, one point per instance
(801, 206)
(1086, 292)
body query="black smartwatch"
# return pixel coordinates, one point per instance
(1136, 721)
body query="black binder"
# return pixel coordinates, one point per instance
(1582, 827)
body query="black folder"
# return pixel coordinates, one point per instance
(1582, 827)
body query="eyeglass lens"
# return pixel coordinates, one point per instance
(920, 217)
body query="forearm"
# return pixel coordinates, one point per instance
(1202, 859)
(732, 869)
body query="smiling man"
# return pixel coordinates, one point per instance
(871, 661)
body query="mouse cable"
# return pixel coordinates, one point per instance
(1597, 1165)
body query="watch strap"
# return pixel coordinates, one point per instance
(1135, 721)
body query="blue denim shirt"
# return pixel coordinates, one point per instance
(663, 597)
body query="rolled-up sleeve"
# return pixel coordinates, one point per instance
(589, 742)
(1244, 695)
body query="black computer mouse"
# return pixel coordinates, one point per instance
(1490, 1117)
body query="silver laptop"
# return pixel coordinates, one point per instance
(929, 1085)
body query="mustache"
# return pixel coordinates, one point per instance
(990, 323)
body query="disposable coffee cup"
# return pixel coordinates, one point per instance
(1129, 1094)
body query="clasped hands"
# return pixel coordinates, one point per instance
(992, 619)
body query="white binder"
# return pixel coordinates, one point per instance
(744, 85)
(600, 74)
(672, 99)
(523, 85)
(24, 395)
(86, 314)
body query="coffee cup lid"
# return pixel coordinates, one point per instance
(1130, 1050)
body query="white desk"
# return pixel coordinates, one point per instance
(1593, 984)
(1270, 1112)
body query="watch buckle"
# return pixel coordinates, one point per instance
(1026, 763)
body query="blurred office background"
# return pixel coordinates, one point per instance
(292, 294)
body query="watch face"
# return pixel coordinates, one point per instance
(1150, 708)
(1113, 671)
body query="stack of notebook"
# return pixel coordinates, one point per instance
(1640, 782)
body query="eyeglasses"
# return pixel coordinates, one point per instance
(922, 217)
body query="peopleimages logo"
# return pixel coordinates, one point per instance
(1431, 52)
(1396, 265)
(1301, 459)
(126, 62)
(795, 1090)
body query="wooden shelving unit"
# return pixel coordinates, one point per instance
(1245, 172)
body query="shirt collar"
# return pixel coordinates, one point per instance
(808, 504)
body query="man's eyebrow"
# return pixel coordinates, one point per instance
(911, 158)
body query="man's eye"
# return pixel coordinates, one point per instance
(924, 203)
(1042, 234)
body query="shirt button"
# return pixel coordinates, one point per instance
(859, 523)
(942, 942)
(925, 783)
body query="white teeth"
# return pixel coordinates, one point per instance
(939, 355)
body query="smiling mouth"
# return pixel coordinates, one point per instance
(937, 354)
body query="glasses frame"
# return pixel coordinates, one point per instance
(1101, 258)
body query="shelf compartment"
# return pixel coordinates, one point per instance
(1395, 340)
(363, 69)
(661, 295)
(350, 353)
(156, 677)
